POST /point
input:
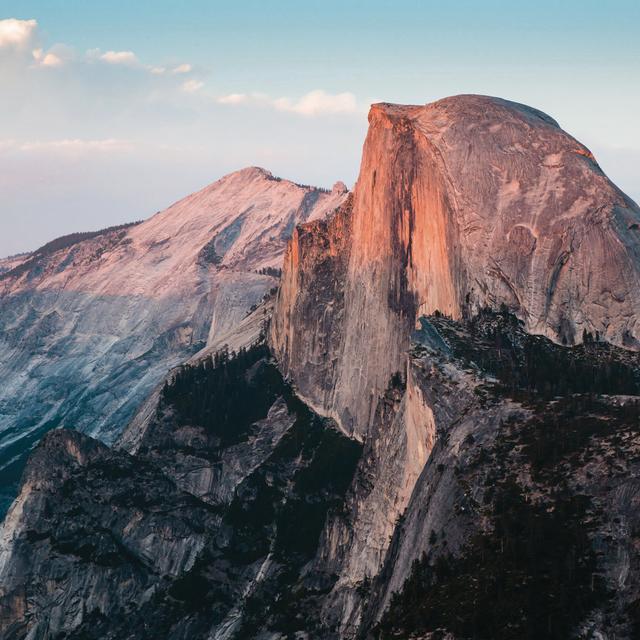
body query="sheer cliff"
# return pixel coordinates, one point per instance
(464, 204)
(90, 323)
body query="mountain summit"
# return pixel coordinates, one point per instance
(90, 323)
(465, 203)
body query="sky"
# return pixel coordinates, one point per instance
(111, 111)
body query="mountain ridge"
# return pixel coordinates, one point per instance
(90, 327)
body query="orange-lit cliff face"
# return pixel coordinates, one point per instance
(467, 202)
(461, 204)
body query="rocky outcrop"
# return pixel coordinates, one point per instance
(466, 203)
(90, 323)
(523, 520)
(249, 331)
(207, 532)
(76, 545)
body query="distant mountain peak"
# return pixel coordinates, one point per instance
(93, 321)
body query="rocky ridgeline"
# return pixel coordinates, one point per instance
(92, 322)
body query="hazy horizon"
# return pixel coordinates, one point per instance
(111, 113)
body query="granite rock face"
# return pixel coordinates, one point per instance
(207, 532)
(78, 545)
(466, 203)
(524, 521)
(89, 324)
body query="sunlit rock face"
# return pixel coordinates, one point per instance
(88, 329)
(466, 203)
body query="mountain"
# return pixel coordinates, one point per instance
(438, 438)
(91, 322)
(464, 203)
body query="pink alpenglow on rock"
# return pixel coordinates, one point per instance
(90, 325)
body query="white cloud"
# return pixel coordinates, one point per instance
(234, 98)
(130, 59)
(17, 33)
(120, 57)
(22, 40)
(183, 68)
(180, 69)
(319, 102)
(314, 103)
(49, 59)
(191, 86)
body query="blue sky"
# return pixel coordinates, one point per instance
(110, 111)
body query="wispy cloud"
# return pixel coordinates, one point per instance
(19, 40)
(48, 59)
(72, 145)
(319, 102)
(120, 57)
(235, 98)
(182, 68)
(131, 60)
(22, 47)
(191, 86)
(22, 36)
(314, 103)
